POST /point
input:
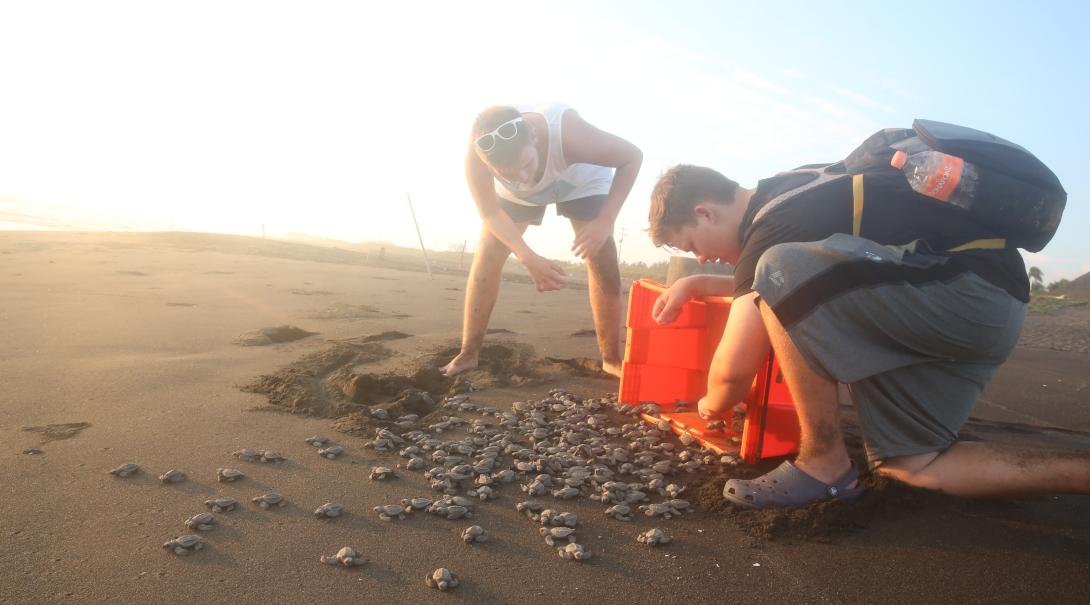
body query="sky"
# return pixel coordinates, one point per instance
(321, 117)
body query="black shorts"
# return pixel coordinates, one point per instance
(582, 209)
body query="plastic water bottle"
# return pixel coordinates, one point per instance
(939, 175)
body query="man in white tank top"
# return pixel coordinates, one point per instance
(519, 161)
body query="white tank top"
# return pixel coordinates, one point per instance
(561, 181)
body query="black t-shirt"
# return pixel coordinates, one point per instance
(893, 214)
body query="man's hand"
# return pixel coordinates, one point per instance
(546, 274)
(590, 238)
(715, 406)
(668, 305)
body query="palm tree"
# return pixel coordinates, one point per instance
(1037, 277)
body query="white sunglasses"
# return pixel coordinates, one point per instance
(504, 132)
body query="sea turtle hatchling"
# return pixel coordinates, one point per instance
(269, 500)
(247, 454)
(221, 504)
(329, 510)
(552, 534)
(416, 503)
(183, 545)
(331, 452)
(271, 456)
(346, 557)
(565, 493)
(653, 537)
(201, 522)
(317, 440)
(474, 533)
(389, 512)
(659, 509)
(381, 473)
(227, 475)
(442, 578)
(573, 552)
(174, 475)
(620, 512)
(125, 470)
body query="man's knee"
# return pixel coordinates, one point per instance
(913, 470)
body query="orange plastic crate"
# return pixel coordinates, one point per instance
(668, 364)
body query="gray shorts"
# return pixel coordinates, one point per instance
(915, 339)
(583, 209)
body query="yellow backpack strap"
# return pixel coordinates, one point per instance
(981, 244)
(857, 204)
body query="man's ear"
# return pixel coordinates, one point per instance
(705, 211)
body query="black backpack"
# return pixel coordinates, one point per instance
(1017, 195)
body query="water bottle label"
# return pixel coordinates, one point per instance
(945, 178)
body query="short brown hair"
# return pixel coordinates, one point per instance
(677, 191)
(505, 151)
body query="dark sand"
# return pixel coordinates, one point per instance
(89, 337)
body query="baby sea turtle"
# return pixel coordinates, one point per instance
(346, 556)
(247, 455)
(531, 508)
(381, 473)
(573, 552)
(457, 512)
(416, 463)
(271, 456)
(183, 545)
(442, 578)
(552, 534)
(125, 470)
(716, 425)
(474, 533)
(483, 492)
(329, 510)
(174, 475)
(221, 504)
(201, 522)
(331, 452)
(660, 509)
(389, 512)
(620, 512)
(269, 500)
(416, 503)
(227, 475)
(653, 537)
(317, 440)
(566, 493)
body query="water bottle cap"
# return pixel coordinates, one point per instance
(899, 160)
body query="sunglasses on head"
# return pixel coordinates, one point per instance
(504, 132)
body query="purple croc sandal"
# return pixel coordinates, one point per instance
(788, 485)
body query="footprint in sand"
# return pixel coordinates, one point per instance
(57, 432)
(584, 332)
(136, 273)
(498, 331)
(180, 304)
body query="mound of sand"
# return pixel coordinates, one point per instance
(268, 336)
(330, 383)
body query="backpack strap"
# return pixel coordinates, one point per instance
(857, 222)
(857, 204)
(981, 244)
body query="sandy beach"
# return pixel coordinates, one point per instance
(143, 348)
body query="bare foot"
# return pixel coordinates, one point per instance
(461, 363)
(613, 369)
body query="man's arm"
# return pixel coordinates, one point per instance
(585, 144)
(547, 275)
(741, 351)
(668, 305)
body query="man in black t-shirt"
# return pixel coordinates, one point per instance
(878, 297)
